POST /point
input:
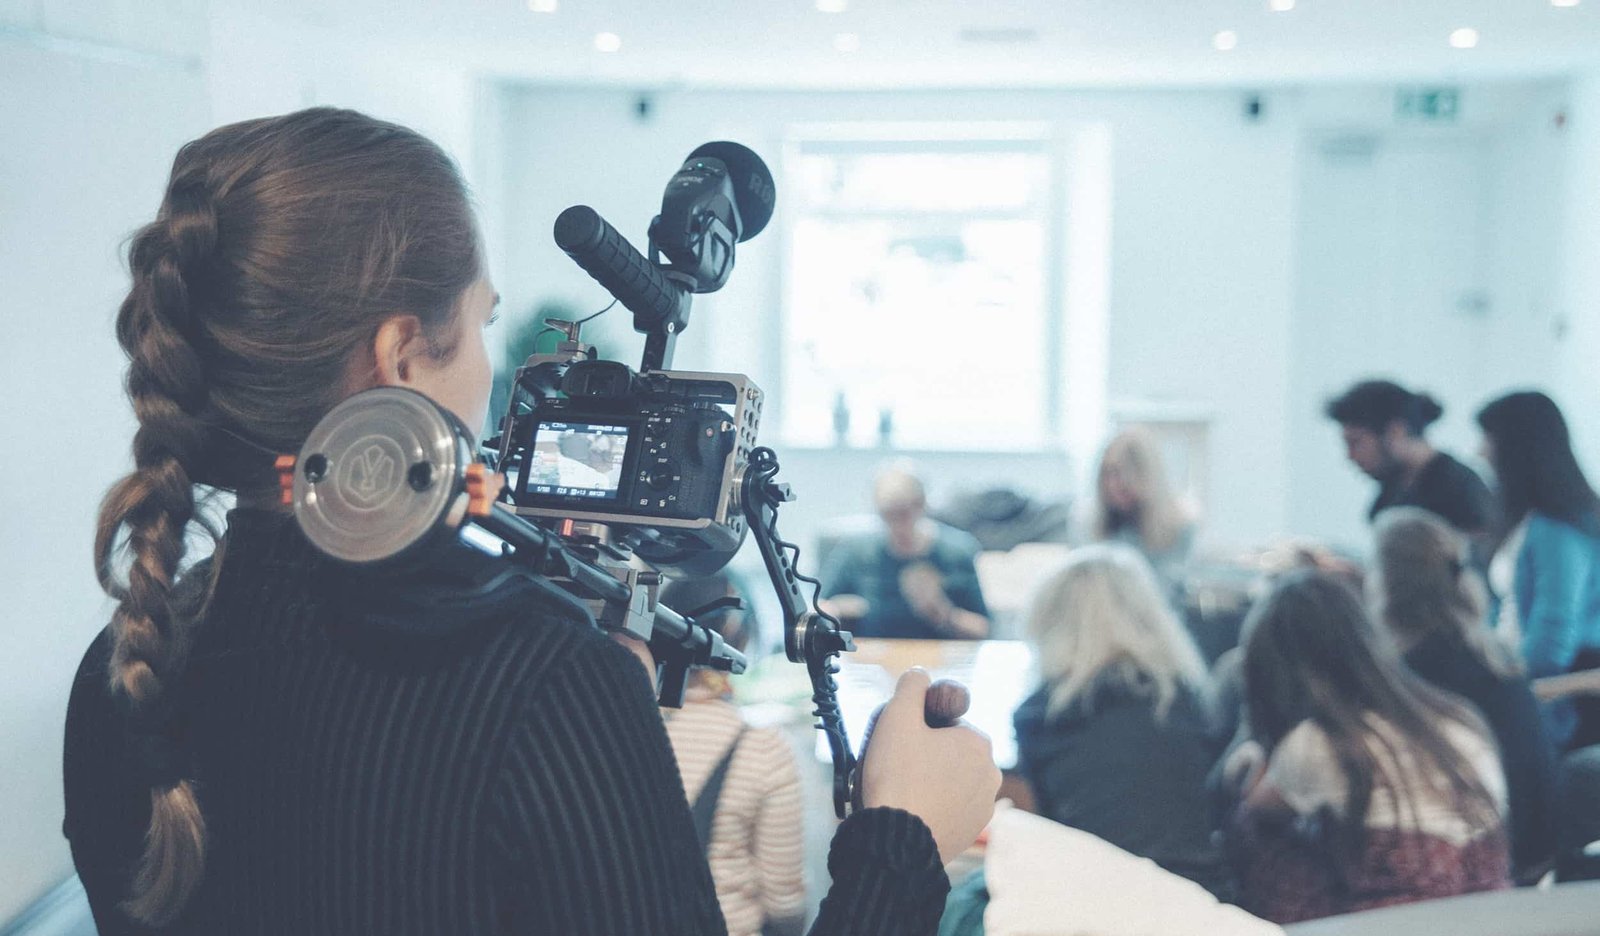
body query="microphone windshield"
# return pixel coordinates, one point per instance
(753, 190)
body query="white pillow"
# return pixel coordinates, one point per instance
(1046, 879)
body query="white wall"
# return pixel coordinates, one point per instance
(263, 65)
(1389, 250)
(1530, 164)
(87, 146)
(1425, 254)
(1201, 287)
(1578, 376)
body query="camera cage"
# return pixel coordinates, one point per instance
(640, 513)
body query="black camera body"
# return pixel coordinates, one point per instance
(658, 455)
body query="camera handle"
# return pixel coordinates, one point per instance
(810, 635)
(658, 297)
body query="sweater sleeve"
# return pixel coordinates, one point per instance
(1556, 559)
(106, 816)
(887, 878)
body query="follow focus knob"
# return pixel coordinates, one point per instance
(380, 474)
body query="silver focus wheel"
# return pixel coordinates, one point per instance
(381, 473)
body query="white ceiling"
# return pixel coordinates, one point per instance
(919, 43)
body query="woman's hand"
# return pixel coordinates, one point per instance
(944, 776)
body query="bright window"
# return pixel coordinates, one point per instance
(917, 288)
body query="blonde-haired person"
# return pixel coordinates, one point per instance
(1424, 593)
(1119, 737)
(1135, 504)
(296, 746)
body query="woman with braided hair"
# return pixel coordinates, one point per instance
(266, 742)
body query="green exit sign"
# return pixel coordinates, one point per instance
(1435, 105)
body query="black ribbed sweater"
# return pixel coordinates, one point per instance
(428, 755)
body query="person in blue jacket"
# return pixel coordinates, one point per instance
(1546, 571)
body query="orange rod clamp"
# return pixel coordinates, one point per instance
(285, 466)
(483, 489)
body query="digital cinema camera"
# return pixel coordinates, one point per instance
(603, 479)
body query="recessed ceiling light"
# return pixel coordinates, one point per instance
(542, 6)
(846, 42)
(1565, 3)
(1464, 38)
(1280, 6)
(1225, 41)
(832, 6)
(607, 42)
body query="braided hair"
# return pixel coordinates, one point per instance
(280, 247)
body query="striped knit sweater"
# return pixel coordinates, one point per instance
(444, 752)
(757, 852)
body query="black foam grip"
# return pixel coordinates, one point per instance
(614, 263)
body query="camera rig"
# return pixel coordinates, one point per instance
(602, 479)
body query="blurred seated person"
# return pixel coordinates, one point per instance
(1135, 505)
(1288, 555)
(743, 783)
(1546, 569)
(1362, 785)
(1424, 595)
(1118, 739)
(915, 578)
(1384, 427)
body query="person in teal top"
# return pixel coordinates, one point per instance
(1547, 569)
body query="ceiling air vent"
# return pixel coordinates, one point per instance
(999, 36)
(1351, 146)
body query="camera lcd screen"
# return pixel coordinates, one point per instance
(577, 460)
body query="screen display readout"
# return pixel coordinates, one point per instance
(582, 460)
